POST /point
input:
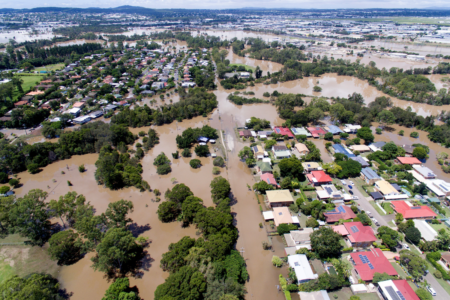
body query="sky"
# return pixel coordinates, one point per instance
(218, 4)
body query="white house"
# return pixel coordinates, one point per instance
(302, 269)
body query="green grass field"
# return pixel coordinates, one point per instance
(50, 68)
(377, 208)
(242, 65)
(28, 83)
(387, 207)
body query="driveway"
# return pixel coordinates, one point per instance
(365, 205)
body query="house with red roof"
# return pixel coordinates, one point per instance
(316, 132)
(341, 212)
(360, 236)
(319, 178)
(369, 262)
(413, 212)
(396, 289)
(268, 177)
(409, 161)
(283, 131)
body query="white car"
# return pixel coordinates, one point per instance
(431, 290)
(406, 246)
(352, 281)
(352, 182)
(343, 182)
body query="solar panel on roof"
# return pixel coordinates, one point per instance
(371, 266)
(280, 213)
(296, 264)
(444, 188)
(392, 293)
(401, 295)
(354, 229)
(416, 207)
(341, 209)
(329, 190)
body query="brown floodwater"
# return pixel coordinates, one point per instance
(264, 65)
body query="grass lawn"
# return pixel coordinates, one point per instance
(50, 68)
(345, 294)
(368, 296)
(387, 207)
(317, 265)
(399, 270)
(28, 83)
(242, 65)
(359, 183)
(343, 243)
(377, 208)
(438, 227)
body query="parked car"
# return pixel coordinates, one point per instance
(351, 192)
(343, 182)
(352, 281)
(406, 246)
(352, 182)
(431, 290)
(350, 187)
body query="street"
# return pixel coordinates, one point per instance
(441, 294)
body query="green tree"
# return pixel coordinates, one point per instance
(291, 167)
(190, 207)
(315, 115)
(285, 228)
(195, 163)
(398, 218)
(120, 290)
(326, 242)
(218, 161)
(34, 286)
(118, 252)
(64, 207)
(377, 277)
(179, 193)
(262, 186)
(163, 169)
(187, 283)
(413, 234)
(168, 211)
(311, 222)
(186, 152)
(30, 217)
(33, 168)
(117, 212)
(415, 265)
(202, 150)
(365, 133)
(386, 117)
(14, 182)
(220, 188)
(420, 153)
(161, 159)
(173, 260)
(65, 247)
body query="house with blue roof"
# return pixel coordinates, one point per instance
(333, 129)
(369, 176)
(338, 148)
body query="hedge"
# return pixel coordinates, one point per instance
(432, 258)
(287, 294)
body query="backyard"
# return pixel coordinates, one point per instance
(345, 294)
(387, 207)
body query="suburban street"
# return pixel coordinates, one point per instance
(441, 294)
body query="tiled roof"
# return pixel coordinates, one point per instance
(358, 233)
(411, 212)
(340, 212)
(370, 262)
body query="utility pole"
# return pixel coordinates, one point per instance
(242, 251)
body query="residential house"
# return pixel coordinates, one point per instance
(299, 238)
(396, 290)
(258, 152)
(245, 133)
(360, 148)
(82, 120)
(281, 151)
(364, 163)
(263, 167)
(319, 178)
(302, 268)
(301, 148)
(408, 149)
(300, 131)
(413, 212)
(278, 198)
(369, 262)
(282, 215)
(360, 236)
(96, 114)
(445, 259)
(408, 161)
(78, 105)
(439, 187)
(283, 131)
(333, 129)
(427, 232)
(316, 132)
(377, 146)
(74, 111)
(385, 188)
(349, 128)
(268, 177)
(311, 166)
(338, 148)
(369, 176)
(424, 172)
(340, 212)
(329, 191)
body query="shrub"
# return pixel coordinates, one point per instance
(317, 88)
(414, 134)
(218, 161)
(437, 274)
(202, 150)
(164, 169)
(266, 94)
(186, 152)
(378, 130)
(276, 261)
(14, 182)
(401, 132)
(176, 155)
(81, 168)
(195, 163)
(216, 170)
(4, 189)
(33, 168)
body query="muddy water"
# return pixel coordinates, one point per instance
(418, 47)
(435, 149)
(265, 66)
